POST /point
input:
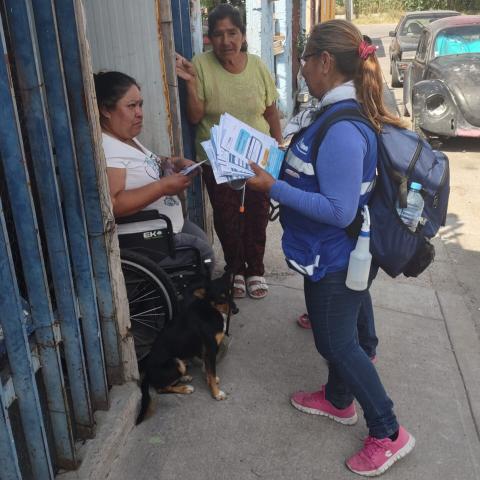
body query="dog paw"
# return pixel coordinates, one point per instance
(189, 389)
(221, 395)
(186, 378)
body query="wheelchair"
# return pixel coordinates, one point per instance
(154, 291)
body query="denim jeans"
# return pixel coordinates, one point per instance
(367, 336)
(334, 312)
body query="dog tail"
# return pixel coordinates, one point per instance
(145, 387)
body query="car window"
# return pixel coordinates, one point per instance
(422, 47)
(413, 26)
(458, 40)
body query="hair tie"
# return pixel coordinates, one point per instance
(365, 50)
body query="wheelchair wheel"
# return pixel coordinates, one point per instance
(151, 295)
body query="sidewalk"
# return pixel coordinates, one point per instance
(428, 358)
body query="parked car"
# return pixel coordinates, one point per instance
(442, 84)
(405, 40)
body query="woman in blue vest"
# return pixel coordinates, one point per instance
(320, 193)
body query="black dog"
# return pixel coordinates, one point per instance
(196, 332)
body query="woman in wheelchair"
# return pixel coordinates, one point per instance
(141, 181)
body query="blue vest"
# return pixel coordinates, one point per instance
(313, 248)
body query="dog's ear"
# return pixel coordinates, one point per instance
(200, 292)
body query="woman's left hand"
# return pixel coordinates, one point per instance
(179, 163)
(262, 181)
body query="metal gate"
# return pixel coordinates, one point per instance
(59, 334)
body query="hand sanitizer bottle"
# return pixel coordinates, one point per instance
(360, 257)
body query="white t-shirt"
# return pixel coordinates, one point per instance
(142, 168)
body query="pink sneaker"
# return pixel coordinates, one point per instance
(316, 404)
(303, 321)
(378, 455)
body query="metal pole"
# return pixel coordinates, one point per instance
(46, 29)
(31, 93)
(18, 183)
(8, 452)
(349, 10)
(20, 362)
(72, 65)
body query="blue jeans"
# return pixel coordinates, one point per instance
(334, 313)
(367, 336)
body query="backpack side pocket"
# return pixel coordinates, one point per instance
(423, 257)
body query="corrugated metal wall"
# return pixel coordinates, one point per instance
(63, 311)
(63, 314)
(125, 36)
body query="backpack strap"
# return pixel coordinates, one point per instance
(351, 114)
(356, 115)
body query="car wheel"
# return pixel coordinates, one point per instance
(395, 79)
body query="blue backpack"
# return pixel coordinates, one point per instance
(403, 157)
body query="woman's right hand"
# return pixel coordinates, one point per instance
(174, 184)
(184, 68)
(262, 181)
(195, 106)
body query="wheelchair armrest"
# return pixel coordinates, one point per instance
(144, 216)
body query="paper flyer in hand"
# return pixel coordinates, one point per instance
(233, 144)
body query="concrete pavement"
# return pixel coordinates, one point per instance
(255, 433)
(428, 359)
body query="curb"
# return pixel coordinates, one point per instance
(464, 340)
(113, 426)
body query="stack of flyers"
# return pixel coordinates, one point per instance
(233, 144)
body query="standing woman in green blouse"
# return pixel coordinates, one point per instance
(228, 79)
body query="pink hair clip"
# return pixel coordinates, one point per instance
(365, 50)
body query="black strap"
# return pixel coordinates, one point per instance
(351, 114)
(355, 114)
(273, 211)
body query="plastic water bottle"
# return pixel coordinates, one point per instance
(412, 213)
(360, 258)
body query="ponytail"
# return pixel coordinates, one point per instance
(355, 59)
(368, 81)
